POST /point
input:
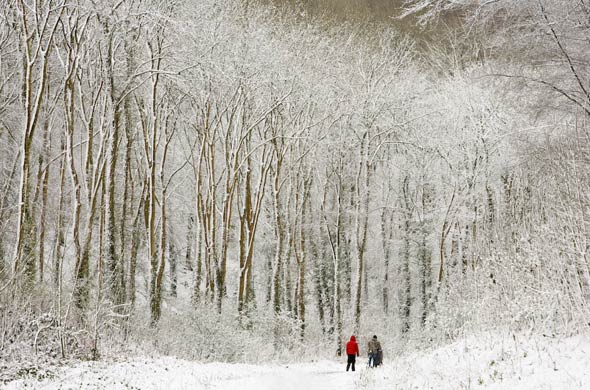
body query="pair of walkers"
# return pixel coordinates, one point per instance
(374, 350)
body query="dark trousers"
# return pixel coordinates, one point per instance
(374, 359)
(351, 361)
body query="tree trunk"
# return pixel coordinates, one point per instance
(172, 256)
(37, 26)
(43, 217)
(59, 250)
(135, 243)
(362, 224)
(279, 236)
(190, 241)
(406, 276)
(387, 234)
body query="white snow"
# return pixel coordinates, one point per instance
(495, 362)
(483, 362)
(171, 373)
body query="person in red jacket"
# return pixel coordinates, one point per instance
(352, 350)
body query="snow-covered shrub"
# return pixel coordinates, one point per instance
(34, 337)
(205, 335)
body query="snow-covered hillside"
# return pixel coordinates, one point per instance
(483, 362)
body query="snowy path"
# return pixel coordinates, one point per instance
(174, 374)
(297, 377)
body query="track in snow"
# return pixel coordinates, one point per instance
(174, 374)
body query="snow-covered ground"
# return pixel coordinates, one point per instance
(484, 362)
(494, 362)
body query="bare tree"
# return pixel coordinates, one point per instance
(37, 24)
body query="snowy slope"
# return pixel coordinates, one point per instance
(484, 362)
(494, 362)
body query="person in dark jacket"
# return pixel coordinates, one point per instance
(352, 350)
(374, 350)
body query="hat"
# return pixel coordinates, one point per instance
(374, 336)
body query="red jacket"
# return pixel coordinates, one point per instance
(352, 348)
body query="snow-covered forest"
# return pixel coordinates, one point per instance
(247, 181)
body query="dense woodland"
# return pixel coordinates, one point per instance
(222, 179)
